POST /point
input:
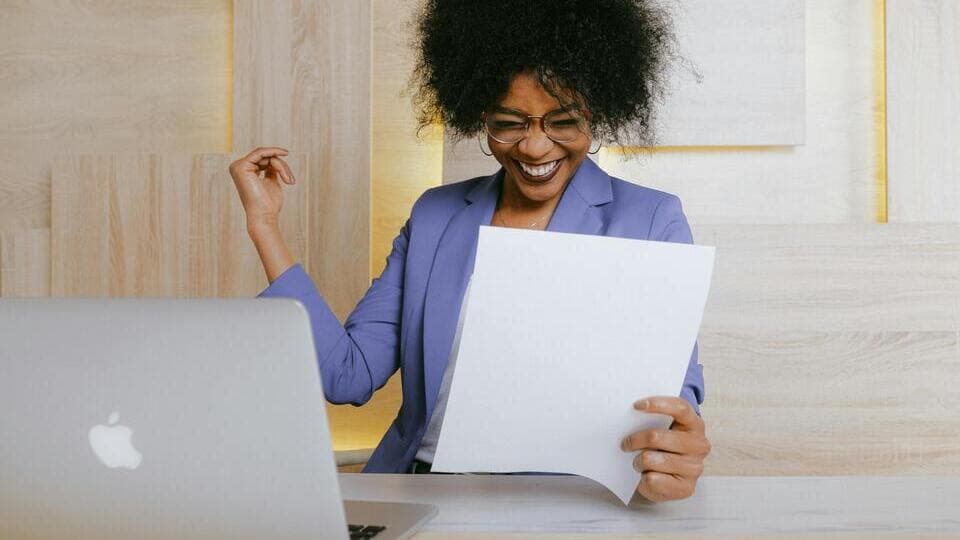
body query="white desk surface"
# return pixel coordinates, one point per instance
(482, 506)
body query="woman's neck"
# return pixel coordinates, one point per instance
(515, 210)
(513, 201)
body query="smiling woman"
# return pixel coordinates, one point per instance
(540, 82)
(599, 65)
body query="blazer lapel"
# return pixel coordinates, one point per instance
(577, 210)
(452, 267)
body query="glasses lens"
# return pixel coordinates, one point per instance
(562, 126)
(506, 128)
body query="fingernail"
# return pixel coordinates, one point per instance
(623, 445)
(641, 405)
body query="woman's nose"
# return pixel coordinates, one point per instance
(536, 144)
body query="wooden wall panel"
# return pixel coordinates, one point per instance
(105, 77)
(834, 277)
(792, 402)
(158, 225)
(331, 123)
(115, 76)
(24, 189)
(25, 262)
(832, 349)
(302, 81)
(923, 112)
(262, 74)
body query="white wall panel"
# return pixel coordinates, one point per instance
(830, 179)
(746, 85)
(923, 110)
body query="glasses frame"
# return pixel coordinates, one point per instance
(570, 109)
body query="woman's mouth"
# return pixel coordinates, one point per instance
(539, 173)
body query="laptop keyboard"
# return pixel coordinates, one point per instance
(361, 532)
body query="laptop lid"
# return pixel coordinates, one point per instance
(148, 418)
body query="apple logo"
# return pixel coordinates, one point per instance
(112, 444)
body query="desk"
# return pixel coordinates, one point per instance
(723, 507)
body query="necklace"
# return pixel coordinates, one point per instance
(530, 226)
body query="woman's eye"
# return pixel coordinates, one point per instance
(503, 124)
(567, 122)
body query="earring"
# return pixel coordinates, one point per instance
(599, 146)
(480, 142)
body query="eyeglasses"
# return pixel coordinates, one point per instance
(509, 127)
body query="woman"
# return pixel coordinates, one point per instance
(540, 83)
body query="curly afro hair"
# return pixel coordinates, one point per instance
(609, 55)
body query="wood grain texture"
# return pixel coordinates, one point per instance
(24, 189)
(168, 225)
(262, 74)
(794, 402)
(115, 76)
(923, 80)
(25, 262)
(105, 76)
(895, 277)
(331, 123)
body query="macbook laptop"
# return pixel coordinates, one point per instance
(148, 418)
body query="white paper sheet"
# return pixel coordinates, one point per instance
(562, 334)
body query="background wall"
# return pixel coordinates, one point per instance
(831, 336)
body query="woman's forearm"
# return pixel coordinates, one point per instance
(273, 250)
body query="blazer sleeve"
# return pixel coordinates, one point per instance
(670, 225)
(358, 357)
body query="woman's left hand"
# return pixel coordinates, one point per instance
(670, 461)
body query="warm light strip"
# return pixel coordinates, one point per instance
(880, 112)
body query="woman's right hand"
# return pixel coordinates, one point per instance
(262, 198)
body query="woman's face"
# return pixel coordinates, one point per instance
(537, 168)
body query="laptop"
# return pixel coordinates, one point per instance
(149, 418)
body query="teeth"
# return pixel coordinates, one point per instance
(540, 170)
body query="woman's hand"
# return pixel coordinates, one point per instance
(262, 198)
(670, 461)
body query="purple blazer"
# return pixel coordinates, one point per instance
(407, 318)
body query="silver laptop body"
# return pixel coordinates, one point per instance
(148, 418)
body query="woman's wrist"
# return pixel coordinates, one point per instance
(272, 249)
(262, 227)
